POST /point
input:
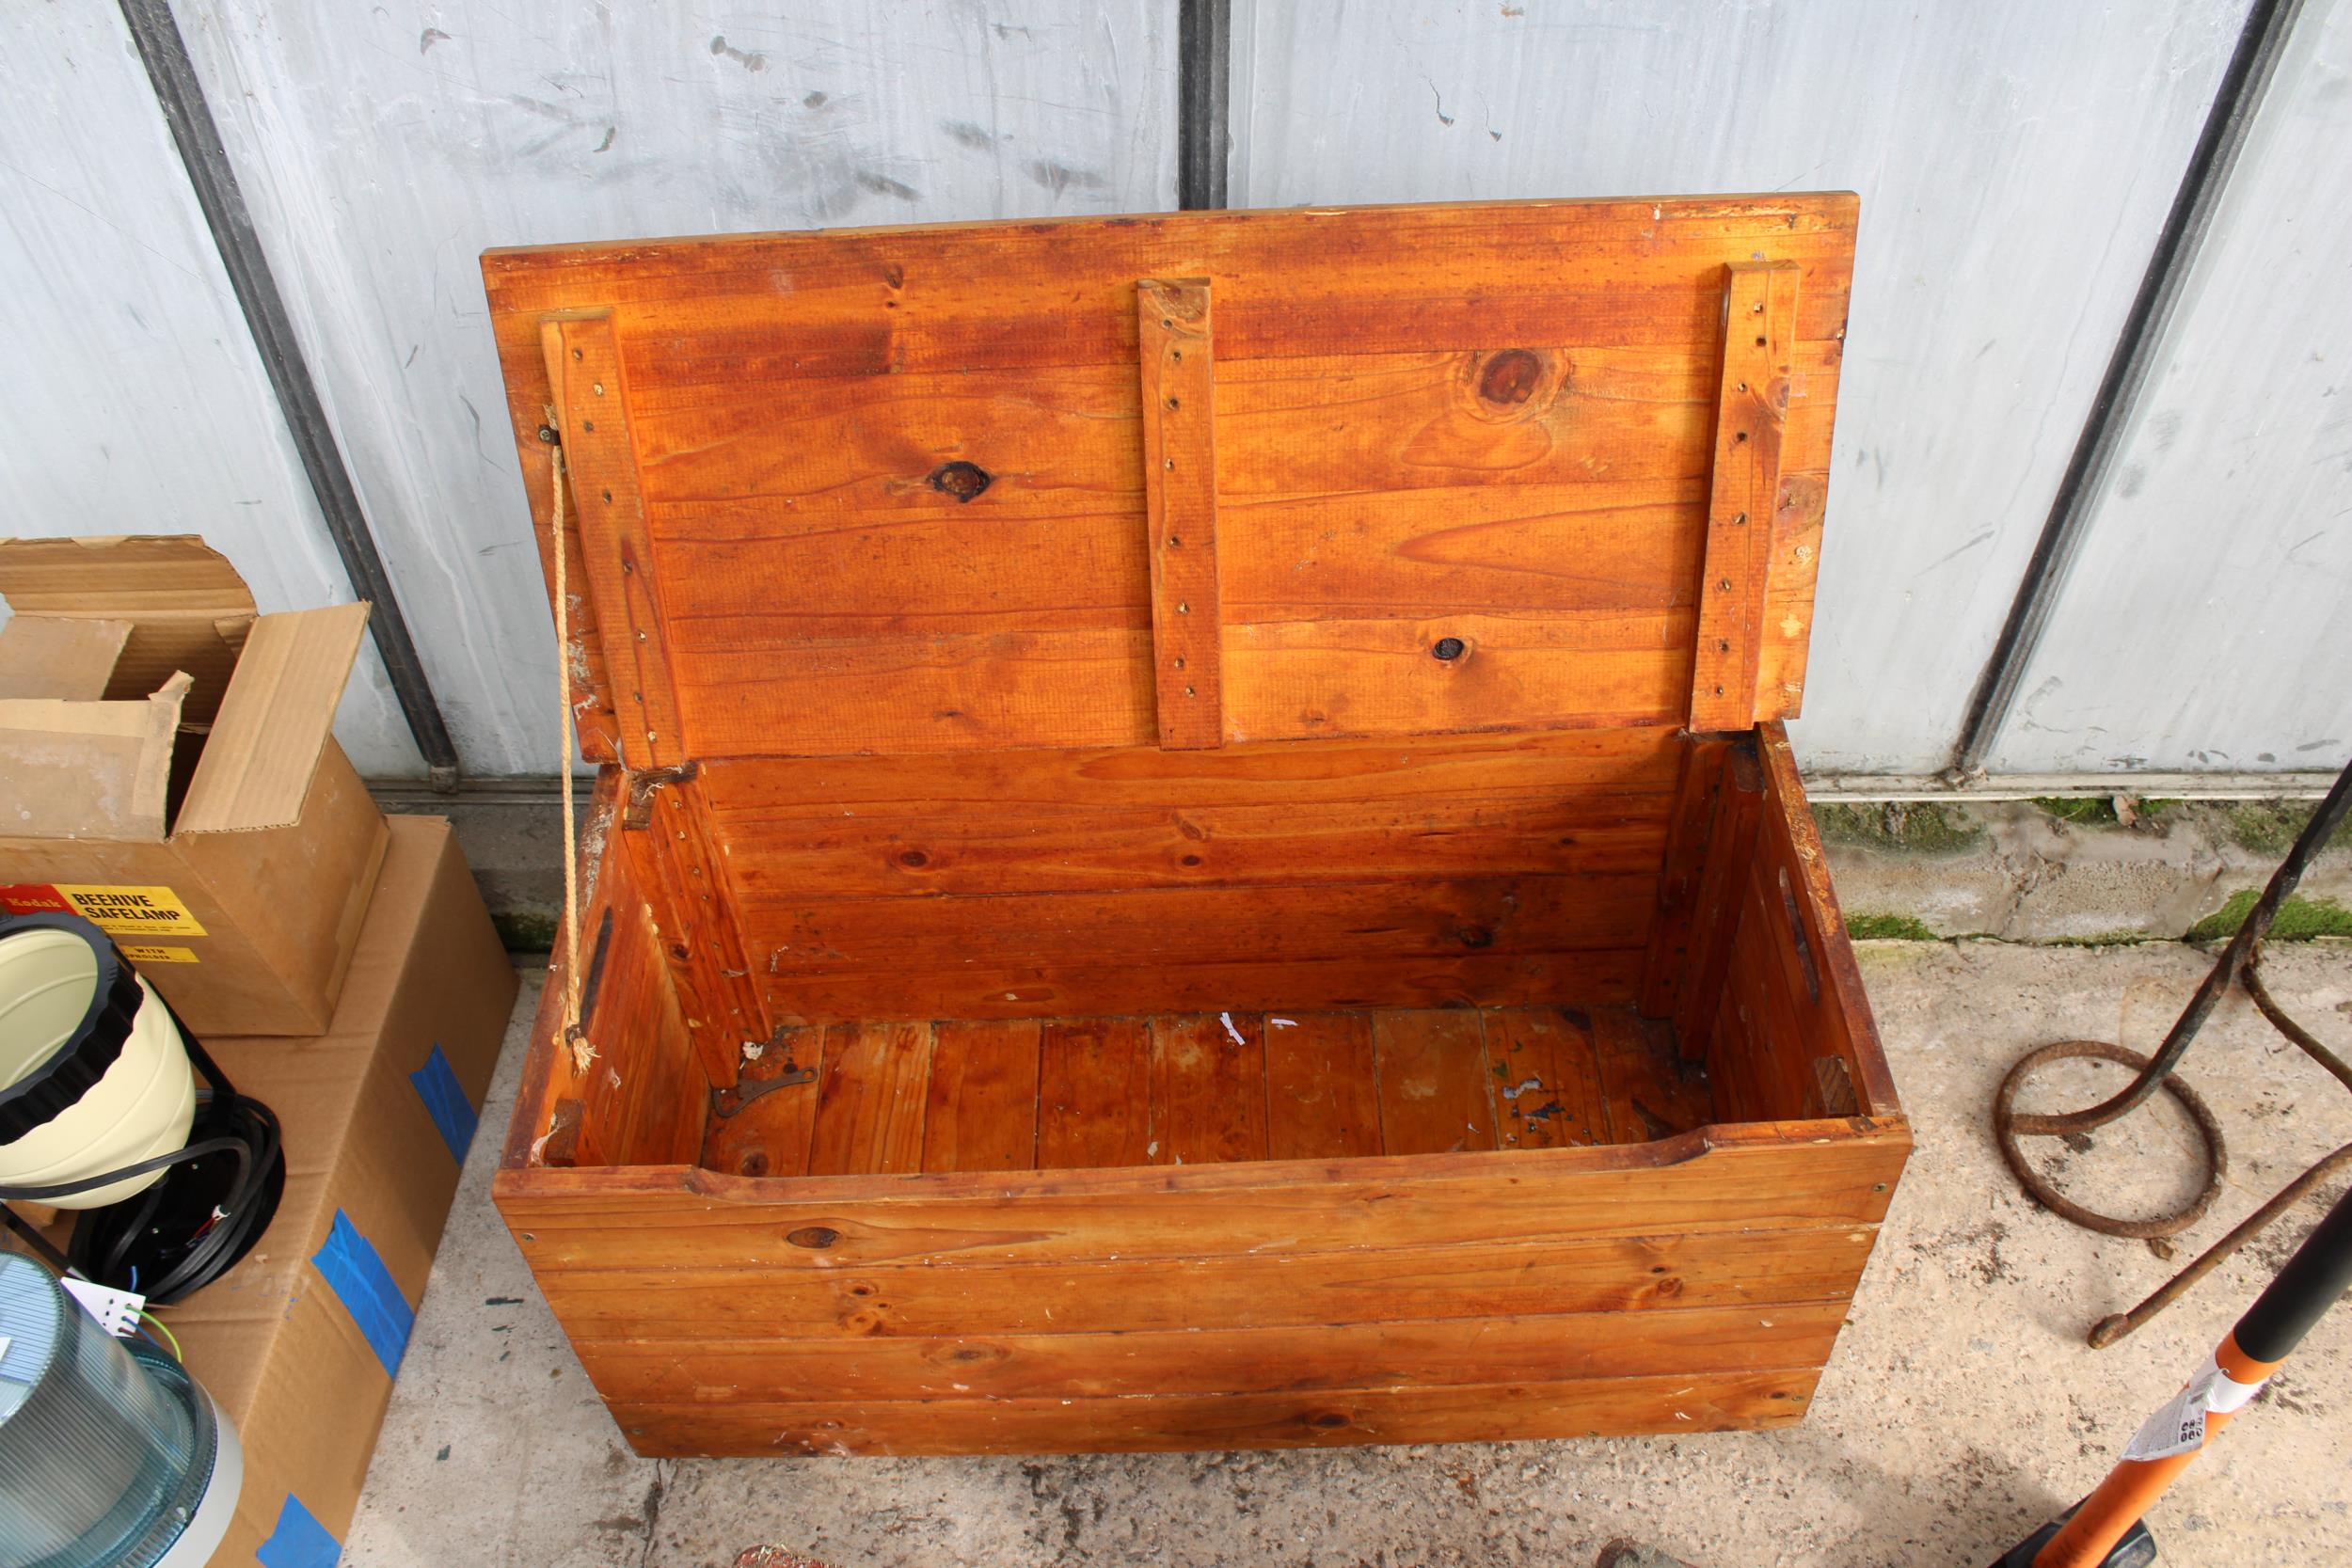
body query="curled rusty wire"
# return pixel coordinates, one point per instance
(2008, 1126)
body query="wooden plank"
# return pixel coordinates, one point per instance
(981, 1106)
(1547, 1079)
(661, 827)
(1290, 775)
(1759, 338)
(1191, 926)
(1270, 1288)
(1756, 1176)
(1368, 675)
(1448, 1412)
(1175, 351)
(1323, 1095)
(1050, 986)
(583, 362)
(1649, 1091)
(1690, 824)
(1386, 279)
(1715, 910)
(870, 1100)
(1218, 1361)
(1792, 837)
(1075, 848)
(1208, 1088)
(769, 1134)
(1094, 1094)
(1435, 1094)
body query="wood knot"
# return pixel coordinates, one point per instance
(1328, 1420)
(816, 1236)
(754, 1164)
(1510, 376)
(961, 480)
(915, 859)
(1475, 936)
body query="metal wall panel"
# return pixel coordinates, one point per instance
(2015, 157)
(2208, 622)
(131, 396)
(382, 148)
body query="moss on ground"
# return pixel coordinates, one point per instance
(1888, 927)
(1921, 828)
(2299, 919)
(2269, 826)
(2089, 812)
(525, 932)
(2106, 938)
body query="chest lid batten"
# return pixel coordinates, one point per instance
(1185, 479)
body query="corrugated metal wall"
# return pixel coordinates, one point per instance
(2016, 158)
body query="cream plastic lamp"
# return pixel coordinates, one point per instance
(99, 1111)
(94, 1076)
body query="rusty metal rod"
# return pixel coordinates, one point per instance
(2225, 972)
(2108, 1330)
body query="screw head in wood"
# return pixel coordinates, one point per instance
(550, 435)
(1448, 648)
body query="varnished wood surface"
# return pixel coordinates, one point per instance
(1209, 1088)
(1312, 875)
(1485, 423)
(1270, 1288)
(1447, 1413)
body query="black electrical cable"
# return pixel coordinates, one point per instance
(231, 1124)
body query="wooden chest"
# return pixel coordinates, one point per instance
(1194, 846)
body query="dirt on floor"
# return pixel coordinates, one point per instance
(1959, 1411)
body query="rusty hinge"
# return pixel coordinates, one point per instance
(637, 813)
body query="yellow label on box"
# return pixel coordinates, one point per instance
(143, 953)
(132, 912)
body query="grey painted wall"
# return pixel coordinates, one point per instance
(130, 398)
(2016, 158)
(2208, 623)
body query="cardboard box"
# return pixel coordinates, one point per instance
(300, 1341)
(168, 768)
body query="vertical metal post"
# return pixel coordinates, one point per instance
(182, 97)
(2268, 22)
(1204, 65)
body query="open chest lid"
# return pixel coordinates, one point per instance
(1185, 479)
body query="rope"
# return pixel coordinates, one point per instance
(583, 1053)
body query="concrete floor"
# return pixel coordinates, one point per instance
(1961, 1408)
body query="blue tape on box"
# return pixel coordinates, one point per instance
(355, 1272)
(299, 1540)
(445, 1102)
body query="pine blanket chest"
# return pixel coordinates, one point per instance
(1194, 846)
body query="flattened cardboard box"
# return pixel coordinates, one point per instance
(300, 1341)
(169, 769)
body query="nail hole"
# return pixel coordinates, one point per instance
(1173, 403)
(1448, 648)
(1183, 609)
(608, 495)
(597, 388)
(1737, 518)
(1724, 585)
(587, 424)
(1187, 690)
(575, 354)
(1759, 342)
(1180, 664)
(1174, 542)
(1739, 438)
